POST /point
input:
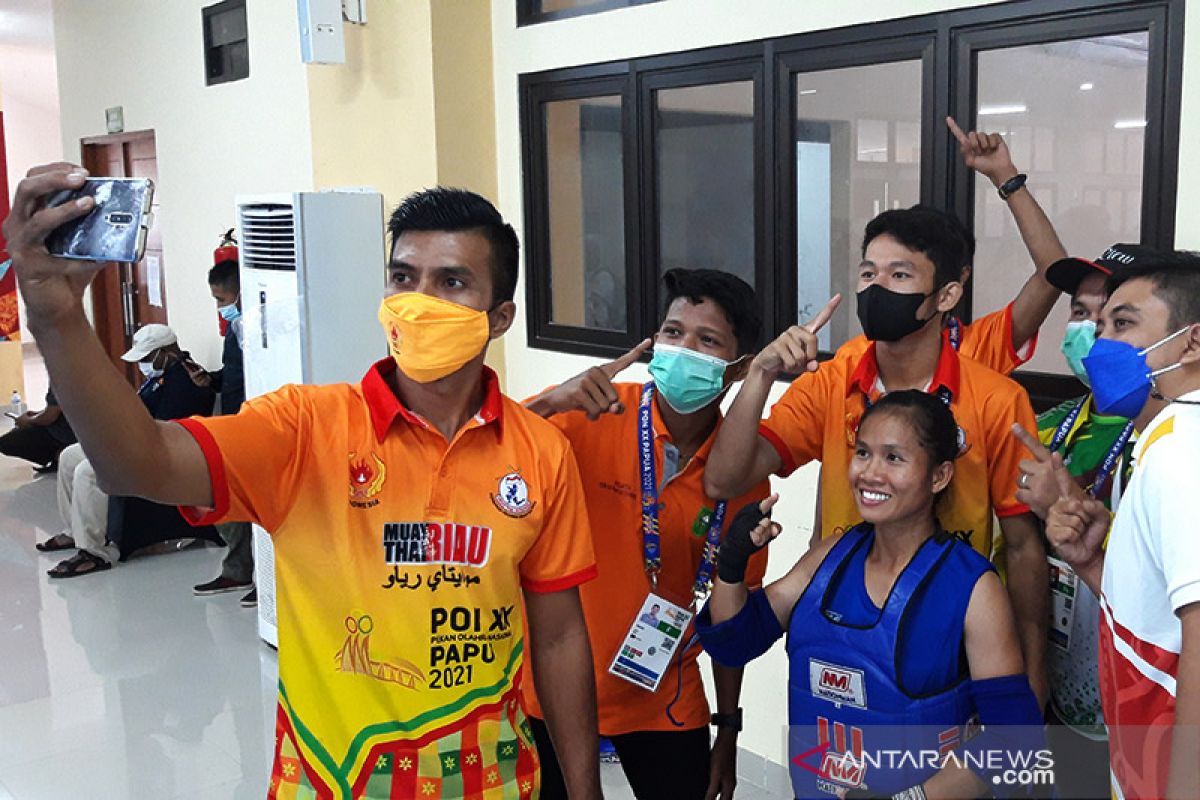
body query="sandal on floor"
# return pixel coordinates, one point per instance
(59, 541)
(82, 563)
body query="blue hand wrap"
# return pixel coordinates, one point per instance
(1013, 734)
(744, 636)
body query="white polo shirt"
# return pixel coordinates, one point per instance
(1151, 571)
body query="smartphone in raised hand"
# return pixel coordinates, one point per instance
(116, 227)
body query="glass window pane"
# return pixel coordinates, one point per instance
(586, 209)
(704, 158)
(858, 152)
(543, 6)
(1076, 126)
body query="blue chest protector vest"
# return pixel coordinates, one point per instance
(851, 686)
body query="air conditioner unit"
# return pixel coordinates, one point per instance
(313, 270)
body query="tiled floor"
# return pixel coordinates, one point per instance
(123, 685)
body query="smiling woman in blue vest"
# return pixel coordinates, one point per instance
(899, 634)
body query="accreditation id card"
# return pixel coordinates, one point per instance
(653, 638)
(1064, 585)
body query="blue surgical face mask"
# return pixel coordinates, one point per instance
(149, 371)
(1120, 377)
(686, 379)
(230, 312)
(1076, 344)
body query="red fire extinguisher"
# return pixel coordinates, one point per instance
(227, 250)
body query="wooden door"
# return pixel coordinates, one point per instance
(127, 296)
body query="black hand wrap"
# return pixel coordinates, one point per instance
(737, 546)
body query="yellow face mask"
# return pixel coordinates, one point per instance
(429, 337)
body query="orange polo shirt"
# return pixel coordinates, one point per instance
(987, 340)
(401, 560)
(608, 455)
(818, 416)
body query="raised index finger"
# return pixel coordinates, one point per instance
(1031, 443)
(823, 316)
(957, 131)
(617, 365)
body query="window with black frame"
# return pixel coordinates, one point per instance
(771, 163)
(534, 11)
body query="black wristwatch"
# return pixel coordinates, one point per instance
(1012, 185)
(732, 721)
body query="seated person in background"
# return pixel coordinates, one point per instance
(237, 568)
(895, 609)
(39, 436)
(169, 392)
(663, 533)
(908, 281)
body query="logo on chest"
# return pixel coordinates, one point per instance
(436, 543)
(838, 685)
(512, 495)
(366, 480)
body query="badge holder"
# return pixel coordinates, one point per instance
(1064, 586)
(653, 639)
(656, 634)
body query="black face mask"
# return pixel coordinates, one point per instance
(888, 316)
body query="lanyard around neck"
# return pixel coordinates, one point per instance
(1110, 459)
(651, 540)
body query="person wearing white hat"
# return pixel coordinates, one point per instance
(174, 388)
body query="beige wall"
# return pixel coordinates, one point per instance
(565, 179)
(411, 107)
(464, 110)
(214, 142)
(372, 118)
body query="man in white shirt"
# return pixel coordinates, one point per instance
(1146, 366)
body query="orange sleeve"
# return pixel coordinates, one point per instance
(795, 427)
(255, 459)
(1004, 451)
(562, 556)
(988, 341)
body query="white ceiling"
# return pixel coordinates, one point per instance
(26, 23)
(27, 67)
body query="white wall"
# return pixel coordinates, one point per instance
(28, 95)
(213, 142)
(1187, 209)
(29, 100)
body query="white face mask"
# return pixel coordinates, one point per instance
(148, 370)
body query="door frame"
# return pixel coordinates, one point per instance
(110, 297)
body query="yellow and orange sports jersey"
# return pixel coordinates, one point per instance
(401, 559)
(817, 419)
(607, 451)
(987, 341)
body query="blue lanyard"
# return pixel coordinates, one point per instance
(652, 554)
(1110, 460)
(955, 328)
(1064, 427)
